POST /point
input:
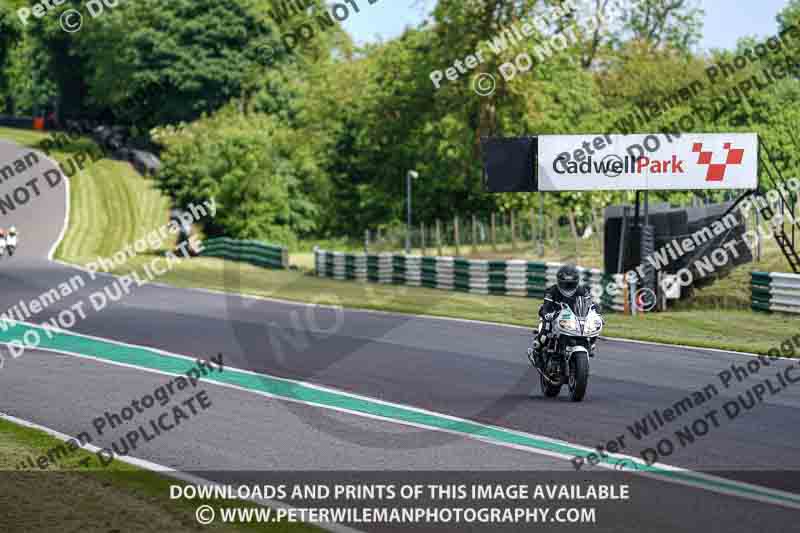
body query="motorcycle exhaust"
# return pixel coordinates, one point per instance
(550, 381)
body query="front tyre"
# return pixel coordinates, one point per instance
(578, 376)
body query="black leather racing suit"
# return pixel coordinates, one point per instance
(553, 296)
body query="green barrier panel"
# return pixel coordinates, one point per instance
(760, 278)
(760, 290)
(261, 254)
(759, 306)
(762, 297)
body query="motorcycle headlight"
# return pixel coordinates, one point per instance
(568, 325)
(593, 326)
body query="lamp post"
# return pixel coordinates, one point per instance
(409, 176)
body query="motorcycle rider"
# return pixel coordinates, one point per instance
(566, 290)
(185, 228)
(11, 240)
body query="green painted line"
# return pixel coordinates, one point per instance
(151, 359)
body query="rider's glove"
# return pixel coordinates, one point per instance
(549, 316)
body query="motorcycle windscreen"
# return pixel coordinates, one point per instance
(509, 164)
(582, 307)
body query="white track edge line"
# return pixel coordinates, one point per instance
(291, 381)
(65, 224)
(475, 436)
(169, 472)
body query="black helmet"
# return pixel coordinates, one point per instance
(567, 280)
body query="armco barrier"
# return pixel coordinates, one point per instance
(8, 121)
(510, 278)
(773, 291)
(249, 251)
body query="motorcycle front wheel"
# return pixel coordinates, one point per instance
(578, 376)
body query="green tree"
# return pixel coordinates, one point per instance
(9, 36)
(255, 171)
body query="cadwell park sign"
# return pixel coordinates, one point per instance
(688, 161)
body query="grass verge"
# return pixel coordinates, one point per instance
(111, 205)
(70, 496)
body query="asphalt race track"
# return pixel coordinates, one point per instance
(392, 367)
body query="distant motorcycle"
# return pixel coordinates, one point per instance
(11, 244)
(569, 341)
(8, 241)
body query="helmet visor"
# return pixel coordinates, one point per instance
(568, 286)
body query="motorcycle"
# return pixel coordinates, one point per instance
(567, 343)
(11, 244)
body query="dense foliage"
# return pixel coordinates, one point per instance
(317, 141)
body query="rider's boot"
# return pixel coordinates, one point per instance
(535, 350)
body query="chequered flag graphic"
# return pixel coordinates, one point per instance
(716, 171)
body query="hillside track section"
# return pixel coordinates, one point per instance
(461, 372)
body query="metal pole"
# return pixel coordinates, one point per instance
(474, 234)
(438, 238)
(408, 213)
(647, 280)
(758, 236)
(494, 232)
(541, 224)
(623, 230)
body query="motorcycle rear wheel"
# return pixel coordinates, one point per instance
(578, 376)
